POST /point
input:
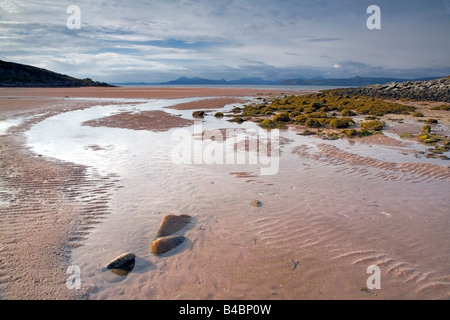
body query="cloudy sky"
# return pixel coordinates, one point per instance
(161, 40)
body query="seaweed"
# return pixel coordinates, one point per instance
(426, 129)
(375, 125)
(313, 123)
(341, 123)
(269, 124)
(282, 117)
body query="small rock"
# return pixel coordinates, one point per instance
(198, 114)
(256, 203)
(172, 223)
(122, 264)
(164, 244)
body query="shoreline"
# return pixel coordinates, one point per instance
(45, 199)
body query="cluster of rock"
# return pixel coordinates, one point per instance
(169, 225)
(433, 90)
(166, 241)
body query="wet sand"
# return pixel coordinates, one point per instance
(326, 216)
(48, 207)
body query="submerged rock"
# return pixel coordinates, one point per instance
(119, 267)
(173, 223)
(123, 263)
(164, 244)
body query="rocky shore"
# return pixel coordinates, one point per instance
(433, 90)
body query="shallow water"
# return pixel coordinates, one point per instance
(332, 206)
(7, 124)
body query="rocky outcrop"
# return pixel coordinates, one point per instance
(433, 90)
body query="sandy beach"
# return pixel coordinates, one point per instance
(332, 209)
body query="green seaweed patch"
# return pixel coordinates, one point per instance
(348, 113)
(428, 138)
(426, 129)
(313, 123)
(375, 125)
(237, 119)
(308, 132)
(353, 133)
(341, 123)
(439, 150)
(333, 100)
(270, 124)
(236, 110)
(331, 136)
(282, 117)
(406, 136)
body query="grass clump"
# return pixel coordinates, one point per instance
(418, 115)
(218, 115)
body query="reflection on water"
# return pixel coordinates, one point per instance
(314, 206)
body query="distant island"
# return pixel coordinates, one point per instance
(20, 75)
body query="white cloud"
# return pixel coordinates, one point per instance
(202, 37)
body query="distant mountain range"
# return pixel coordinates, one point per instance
(349, 82)
(243, 81)
(20, 75)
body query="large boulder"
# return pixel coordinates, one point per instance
(167, 243)
(173, 223)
